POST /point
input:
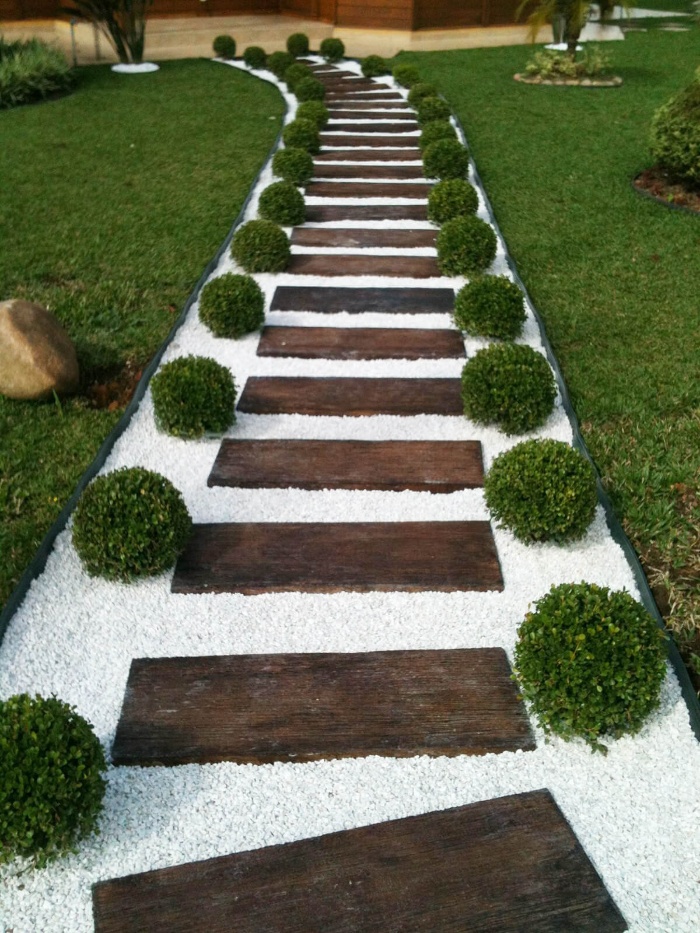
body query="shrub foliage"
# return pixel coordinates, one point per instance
(232, 305)
(296, 73)
(31, 71)
(255, 57)
(466, 245)
(374, 65)
(225, 47)
(302, 134)
(421, 90)
(446, 158)
(452, 197)
(192, 396)
(406, 75)
(315, 111)
(490, 306)
(309, 89)
(435, 131)
(298, 44)
(278, 63)
(293, 165)
(332, 49)
(675, 136)
(283, 204)
(261, 246)
(431, 109)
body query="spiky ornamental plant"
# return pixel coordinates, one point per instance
(123, 22)
(572, 14)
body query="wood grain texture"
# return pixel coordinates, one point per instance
(416, 190)
(355, 237)
(331, 557)
(361, 343)
(411, 267)
(332, 97)
(373, 126)
(375, 141)
(368, 155)
(349, 113)
(332, 300)
(318, 213)
(351, 105)
(388, 172)
(509, 865)
(424, 466)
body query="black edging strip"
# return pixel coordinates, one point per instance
(664, 203)
(38, 562)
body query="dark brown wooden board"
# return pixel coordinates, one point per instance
(374, 126)
(508, 865)
(333, 264)
(349, 113)
(332, 300)
(332, 557)
(368, 155)
(358, 238)
(256, 709)
(371, 189)
(350, 104)
(372, 141)
(361, 343)
(318, 213)
(348, 396)
(388, 172)
(424, 466)
(375, 95)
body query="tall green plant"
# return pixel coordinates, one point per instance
(574, 14)
(122, 21)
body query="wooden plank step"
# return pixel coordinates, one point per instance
(356, 397)
(372, 141)
(508, 865)
(389, 172)
(361, 343)
(331, 557)
(332, 96)
(356, 238)
(374, 127)
(334, 264)
(371, 189)
(333, 300)
(351, 105)
(350, 114)
(368, 155)
(322, 213)
(257, 709)
(423, 466)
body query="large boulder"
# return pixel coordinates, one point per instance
(37, 357)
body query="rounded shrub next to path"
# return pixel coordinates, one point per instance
(446, 158)
(298, 44)
(282, 203)
(332, 49)
(675, 136)
(466, 245)
(278, 62)
(430, 109)
(419, 91)
(225, 47)
(405, 75)
(309, 89)
(192, 396)
(261, 246)
(435, 131)
(296, 73)
(315, 111)
(294, 165)
(302, 134)
(232, 305)
(490, 306)
(452, 197)
(255, 57)
(374, 65)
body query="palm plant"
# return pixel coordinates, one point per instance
(573, 13)
(123, 22)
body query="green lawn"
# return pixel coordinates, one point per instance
(113, 201)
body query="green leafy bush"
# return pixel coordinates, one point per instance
(490, 306)
(232, 305)
(446, 158)
(450, 198)
(421, 90)
(130, 523)
(430, 109)
(675, 136)
(255, 57)
(309, 89)
(51, 779)
(282, 203)
(261, 246)
(590, 661)
(374, 65)
(31, 71)
(406, 75)
(510, 385)
(436, 131)
(296, 73)
(278, 63)
(224, 47)
(192, 396)
(542, 490)
(302, 134)
(315, 111)
(466, 245)
(294, 165)
(298, 44)
(332, 49)
(593, 63)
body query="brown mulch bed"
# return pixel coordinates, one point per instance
(115, 393)
(655, 183)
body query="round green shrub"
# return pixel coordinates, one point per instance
(542, 490)
(406, 75)
(224, 47)
(283, 204)
(278, 63)
(302, 134)
(430, 109)
(315, 111)
(192, 396)
(51, 779)
(332, 49)
(590, 661)
(261, 246)
(309, 89)
(294, 165)
(32, 70)
(510, 385)
(232, 305)
(490, 306)
(298, 44)
(255, 57)
(465, 246)
(130, 523)
(373, 66)
(421, 90)
(446, 158)
(675, 136)
(433, 132)
(296, 73)
(450, 198)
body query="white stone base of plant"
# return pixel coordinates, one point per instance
(131, 69)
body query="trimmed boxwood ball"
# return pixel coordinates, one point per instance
(466, 245)
(450, 198)
(298, 44)
(590, 661)
(675, 136)
(192, 396)
(294, 165)
(255, 57)
(296, 73)
(374, 65)
(430, 109)
(332, 49)
(406, 75)
(510, 385)
(446, 158)
(224, 47)
(542, 490)
(51, 780)
(130, 523)
(278, 63)
(421, 90)
(232, 305)
(261, 246)
(490, 306)
(433, 132)
(315, 111)
(282, 203)
(309, 89)
(302, 134)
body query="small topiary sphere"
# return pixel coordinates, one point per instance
(278, 63)
(302, 134)
(309, 89)
(430, 109)
(298, 44)
(490, 306)
(296, 73)
(255, 57)
(224, 47)
(315, 111)
(294, 165)
(433, 132)
(130, 523)
(510, 385)
(465, 246)
(232, 305)
(192, 396)
(373, 66)
(406, 75)
(450, 198)
(591, 662)
(261, 246)
(332, 49)
(675, 136)
(282, 203)
(421, 90)
(542, 490)
(51, 779)
(446, 158)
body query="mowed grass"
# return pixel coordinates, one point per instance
(615, 277)
(113, 201)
